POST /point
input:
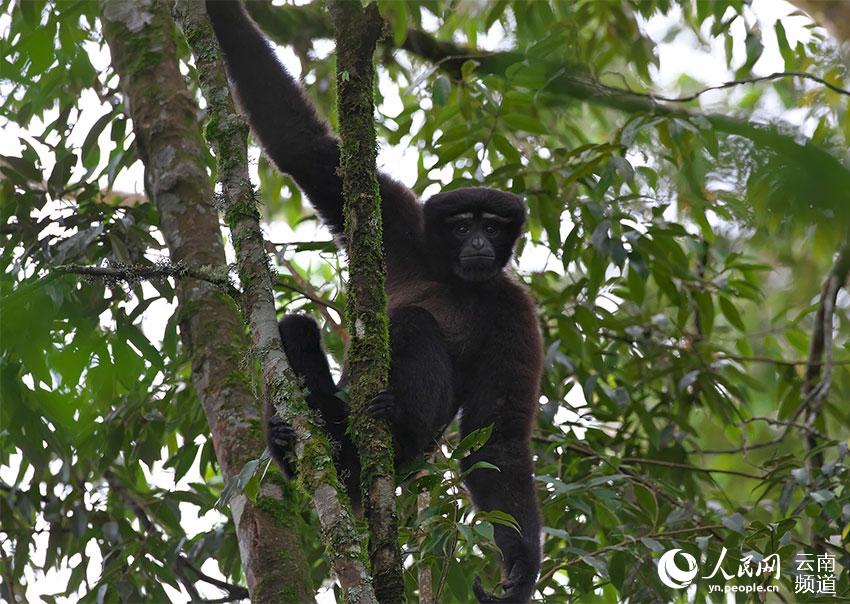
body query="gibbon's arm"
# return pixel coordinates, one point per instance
(297, 140)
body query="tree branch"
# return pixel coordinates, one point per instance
(631, 540)
(687, 466)
(234, 592)
(357, 31)
(733, 83)
(818, 376)
(306, 289)
(134, 273)
(228, 135)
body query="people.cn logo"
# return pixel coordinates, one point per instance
(673, 576)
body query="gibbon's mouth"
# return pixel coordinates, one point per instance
(477, 258)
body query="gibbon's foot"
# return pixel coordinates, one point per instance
(382, 405)
(281, 434)
(518, 587)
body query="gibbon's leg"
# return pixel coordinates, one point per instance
(507, 399)
(302, 344)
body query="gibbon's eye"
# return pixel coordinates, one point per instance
(462, 229)
(491, 229)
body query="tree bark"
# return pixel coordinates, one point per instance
(228, 132)
(140, 36)
(357, 32)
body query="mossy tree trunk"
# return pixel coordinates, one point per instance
(140, 35)
(228, 133)
(357, 31)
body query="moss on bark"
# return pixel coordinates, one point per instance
(357, 31)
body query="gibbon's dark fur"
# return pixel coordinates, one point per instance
(463, 333)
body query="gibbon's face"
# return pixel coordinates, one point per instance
(482, 244)
(471, 232)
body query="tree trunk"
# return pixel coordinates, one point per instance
(228, 134)
(140, 35)
(357, 32)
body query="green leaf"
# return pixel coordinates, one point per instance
(498, 517)
(617, 569)
(440, 91)
(524, 123)
(648, 503)
(731, 313)
(472, 442)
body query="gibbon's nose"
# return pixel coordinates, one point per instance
(477, 242)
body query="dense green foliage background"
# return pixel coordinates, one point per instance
(677, 261)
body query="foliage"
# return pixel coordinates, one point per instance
(677, 271)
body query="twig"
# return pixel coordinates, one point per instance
(685, 466)
(719, 355)
(287, 244)
(768, 443)
(786, 423)
(731, 84)
(133, 273)
(737, 450)
(234, 592)
(306, 289)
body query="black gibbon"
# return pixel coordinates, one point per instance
(463, 333)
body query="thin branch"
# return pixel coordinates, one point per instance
(307, 290)
(134, 273)
(768, 443)
(234, 592)
(718, 355)
(180, 571)
(327, 244)
(785, 423)
(685, 466)
(742, 449)
(733, 83)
